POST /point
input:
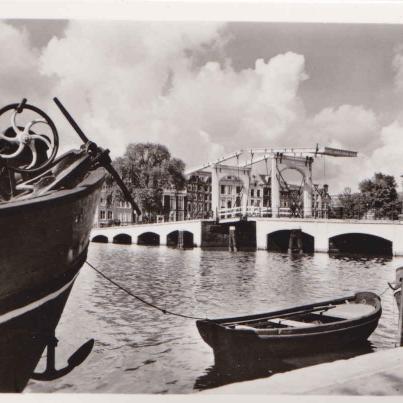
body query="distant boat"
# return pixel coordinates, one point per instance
(46, 214)
(298, 331)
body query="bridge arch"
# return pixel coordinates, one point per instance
(293, 168)
(124, 239)
(278, 241)
(173, 238)
(100, 239)
(148, 238)
(360, 242)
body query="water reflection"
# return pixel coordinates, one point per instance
(225, 370)
(356, 257)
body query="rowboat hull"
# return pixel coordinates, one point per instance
(244, 343)
(43, 244)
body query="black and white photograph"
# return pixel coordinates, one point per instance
(201, 206)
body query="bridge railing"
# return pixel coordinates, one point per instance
(252, 211)
(230, 212)
(258, 211)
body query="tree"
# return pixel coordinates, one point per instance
(147, 169)
(353, 204)
(381, 195)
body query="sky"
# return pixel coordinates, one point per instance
(205, 89)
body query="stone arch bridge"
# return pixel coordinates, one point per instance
(319, 235)
(169, 233)
(326, 235)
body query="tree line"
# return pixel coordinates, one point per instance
(377, 198)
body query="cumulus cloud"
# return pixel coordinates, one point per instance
(398, 68)
(391, 150)
(140, 81)
(132, 82)
(118, 73)
(19, 73)
(387, 158)
(347, 126)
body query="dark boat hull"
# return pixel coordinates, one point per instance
(244, 344)
(43, 244)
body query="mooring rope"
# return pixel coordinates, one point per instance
(386, 289)
(165, 311)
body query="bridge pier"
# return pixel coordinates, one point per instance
(295, 241)
(181, 244)
(321, 242)
(232, 246)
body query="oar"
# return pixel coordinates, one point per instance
(322, 308)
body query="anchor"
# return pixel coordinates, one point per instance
(76, 359)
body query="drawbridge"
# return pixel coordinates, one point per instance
(237, 166)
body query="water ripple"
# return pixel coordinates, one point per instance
(141, 350)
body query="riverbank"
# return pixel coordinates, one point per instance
(376, 374)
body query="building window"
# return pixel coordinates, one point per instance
(252, 192)
(222, 189)
(238, 190)
(109, 215)
(258, 193)
(102, 214)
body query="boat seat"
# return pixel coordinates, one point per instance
(244, 327)
(350, 311)
(289, 322)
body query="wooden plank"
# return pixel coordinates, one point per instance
(319, 308)
(289, 322)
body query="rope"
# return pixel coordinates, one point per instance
(164, 311)
(128, 292)
(383, 292)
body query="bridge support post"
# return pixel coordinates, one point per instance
(245, 197)
(308, 186)
(181, 243)
(295, 241)
(232, 247)
(215, 195)
(321, 242)
(275, 188)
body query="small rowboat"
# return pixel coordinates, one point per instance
(297, 331)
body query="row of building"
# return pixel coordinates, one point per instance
(195, 201)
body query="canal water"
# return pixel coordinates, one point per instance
(140, 350)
